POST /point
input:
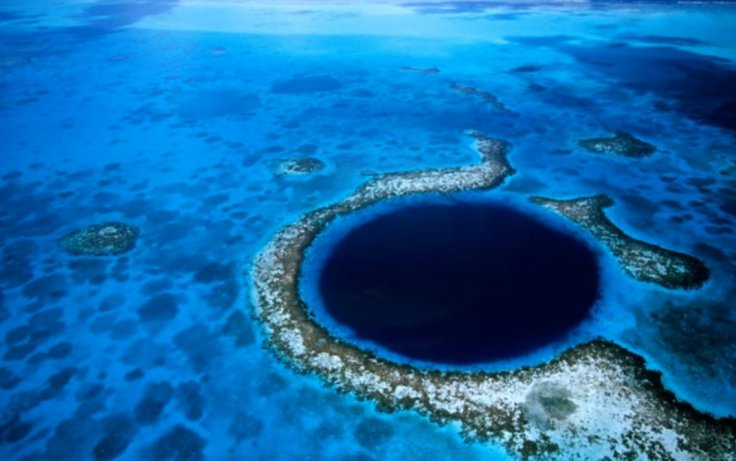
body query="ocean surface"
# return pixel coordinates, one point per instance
(181, 118)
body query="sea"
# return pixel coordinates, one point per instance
(209, 125)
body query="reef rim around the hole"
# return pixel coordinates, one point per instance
(510, 337)
(614, 407)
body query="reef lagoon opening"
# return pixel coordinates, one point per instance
(459, 284)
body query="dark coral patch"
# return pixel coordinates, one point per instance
(622, 143)
(179, 444)
(57, 382)
(134, 375)
(152, 404)
(729, 171)
(17, 267)
(245, 426)
(225, 102)
(692, 331)
(213, 272)
(223, 295)
(663, 40)
(14, 430)
(373, 432)
(299, 166)
(199, 345)
(484, 95)
(238, 327)
(88, 270)
(59, 351)
(190, 399)
(300, 85)
(4, 311)
(118, 431)
(526, 69)
(159, 308)
(110, 238)
(8, 379)
(46, 288)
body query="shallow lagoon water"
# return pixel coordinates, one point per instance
(173, 116)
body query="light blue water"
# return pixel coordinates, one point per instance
(160, 114)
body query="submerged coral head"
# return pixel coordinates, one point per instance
(459, 284)
(106, 239)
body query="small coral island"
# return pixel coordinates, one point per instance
(595, 401)
(106, 239)
(622, 143)
(299, 166)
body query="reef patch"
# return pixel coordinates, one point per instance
(306, 84)
(421, 70)
(484, 95)
(299, 166)
(622, 143)
(106, 239)
(643, 261)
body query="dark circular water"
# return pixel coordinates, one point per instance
(459, 284)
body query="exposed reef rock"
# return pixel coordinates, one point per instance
(299, 166)
(622, 143)
(595, 401)
(643, 261)
(484, 95)
(110, 238)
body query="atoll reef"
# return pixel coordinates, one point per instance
(106, 239)
(484, 95)
(299, 166)
(263, 230)
(643, 261)
(595, 401)
(622, 143)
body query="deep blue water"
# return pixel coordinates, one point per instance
(173, 116)
(458, 284)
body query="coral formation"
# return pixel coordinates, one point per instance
(595, 401)
(299, 166)
(622, 143)
(641, 260)
(110, 238)
(484, 95)
(421, 70)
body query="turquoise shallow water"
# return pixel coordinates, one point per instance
(174, 116)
